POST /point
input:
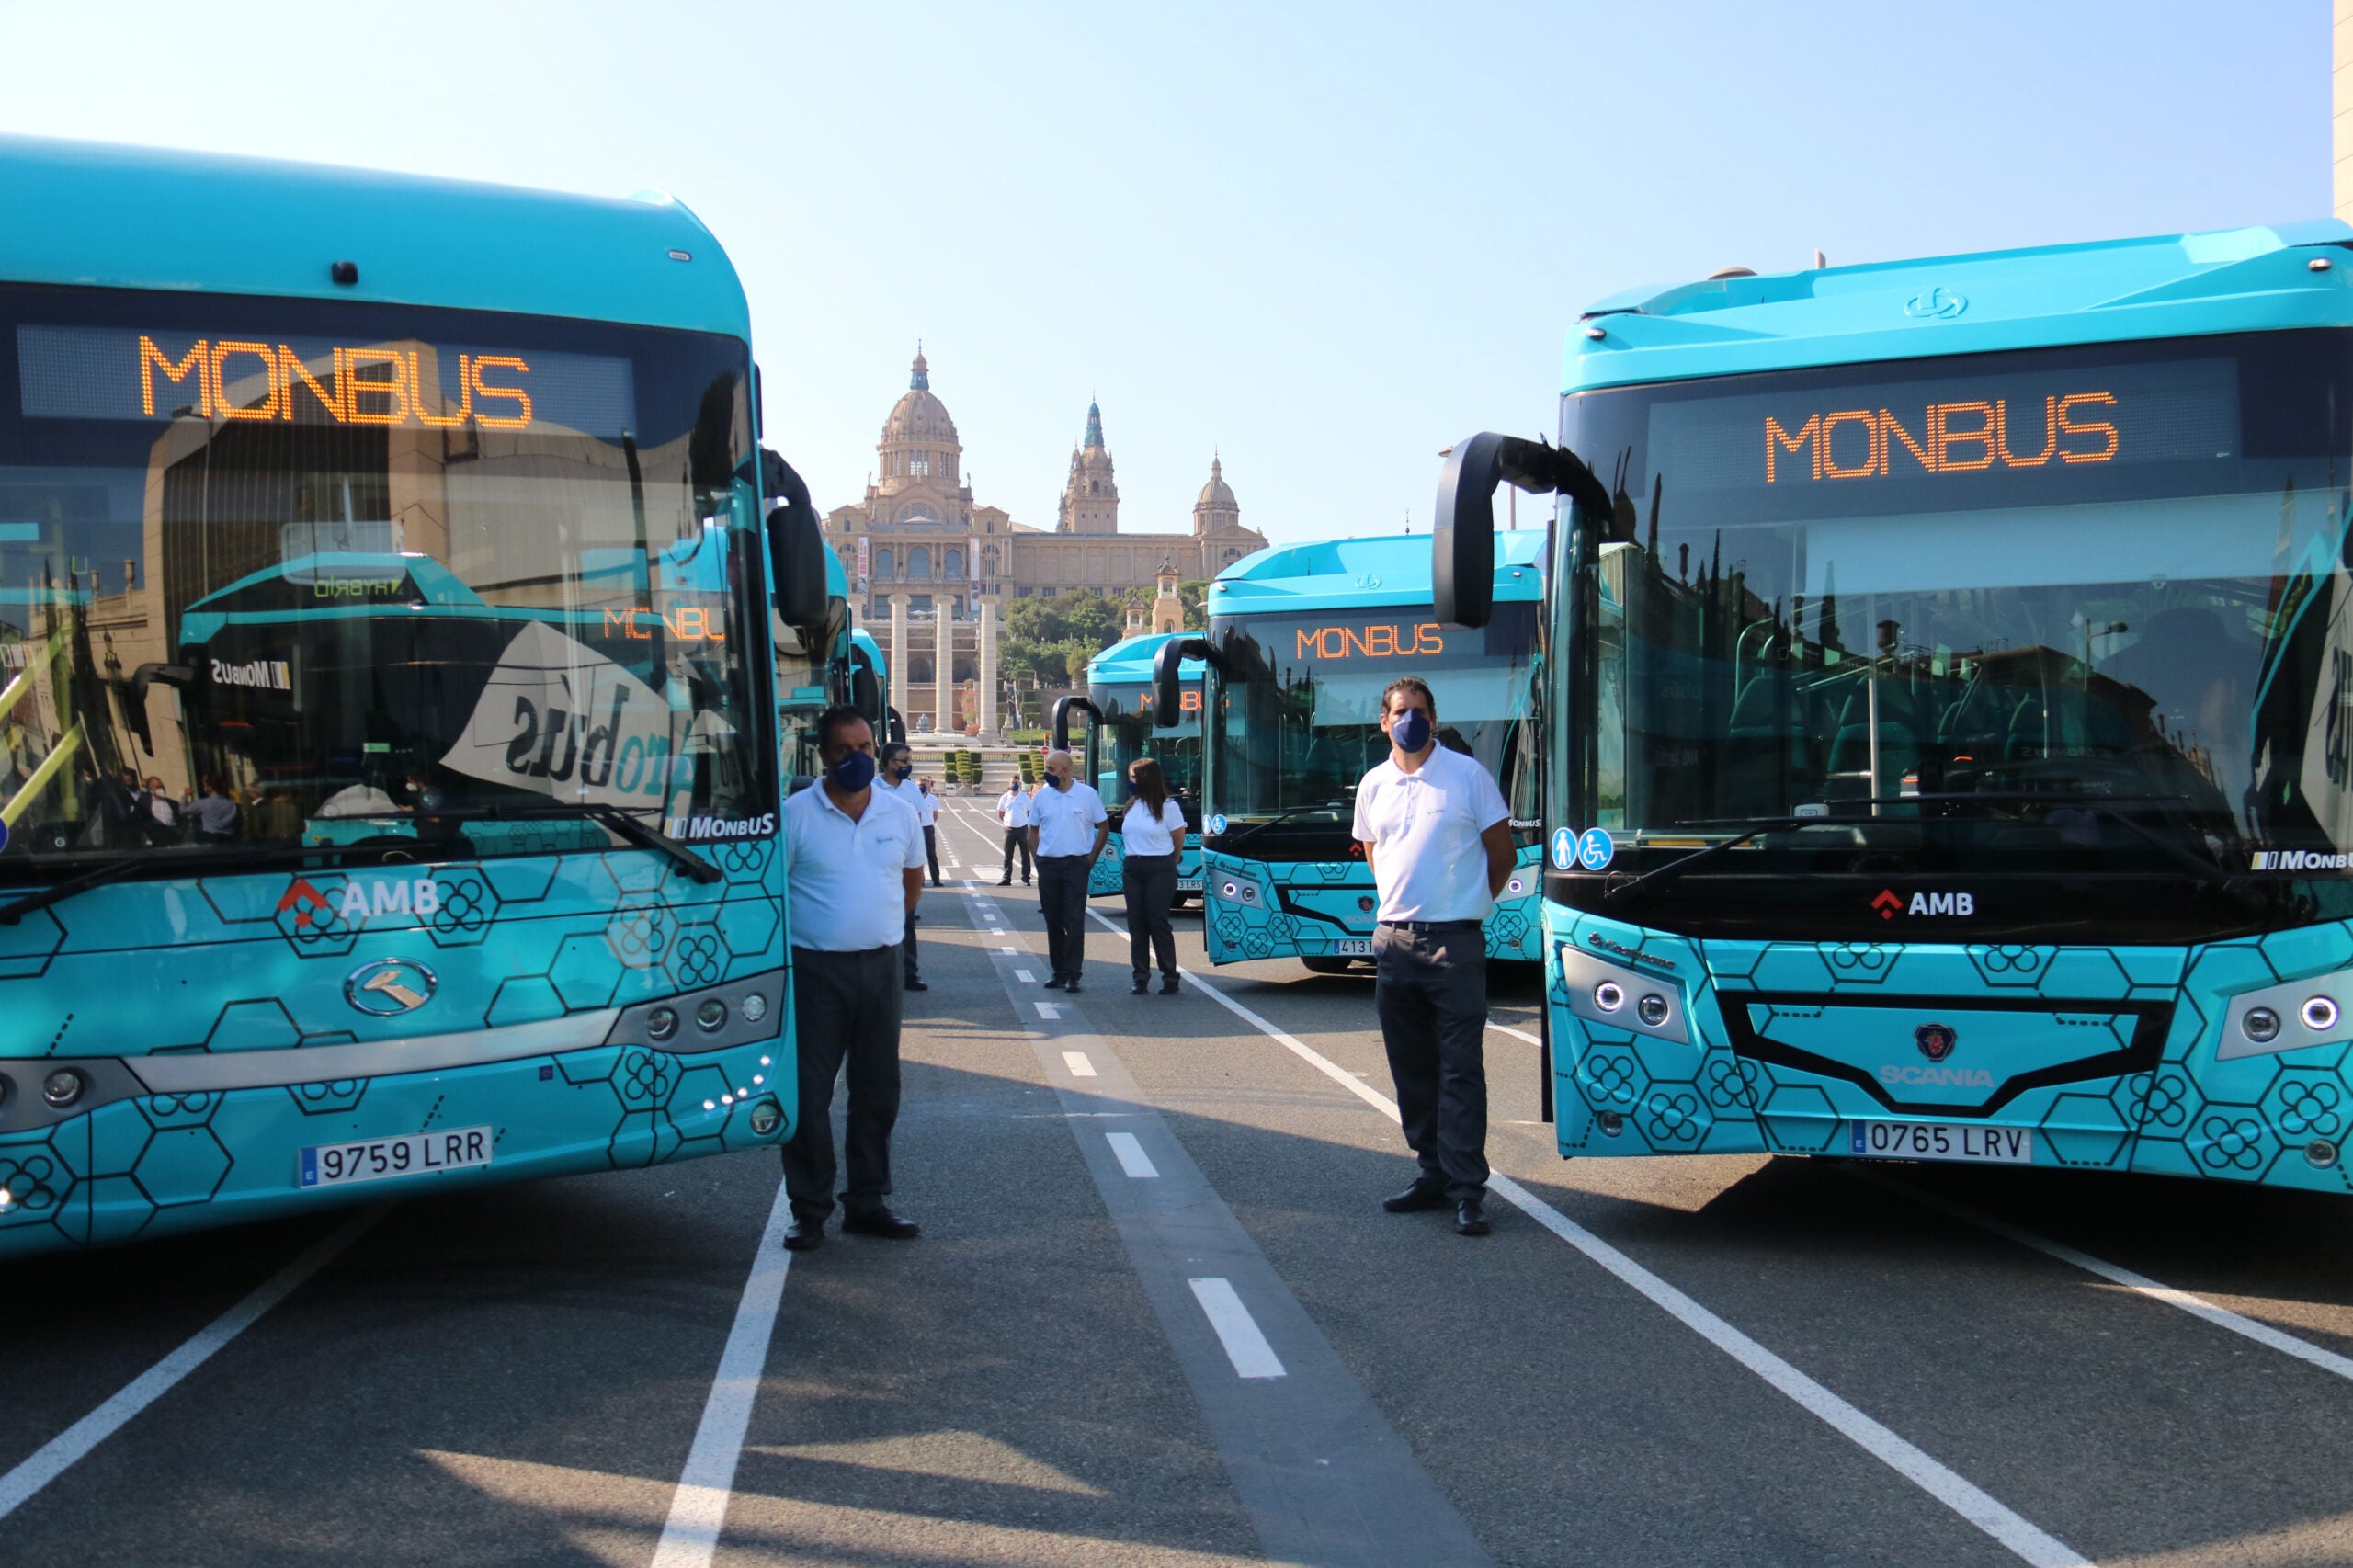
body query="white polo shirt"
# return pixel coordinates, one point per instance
(1065, 819)
(926, 808)
(843, 877)
(1013, 809)
(1423, 827)
(1141, 833)
(909, 790)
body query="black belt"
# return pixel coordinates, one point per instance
(1426, 926)
(1078, 857)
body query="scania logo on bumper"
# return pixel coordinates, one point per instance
(389, 988)
(1936, 1040)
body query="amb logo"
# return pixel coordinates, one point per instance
(1890, 903)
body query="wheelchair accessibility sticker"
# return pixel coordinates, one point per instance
(1595, 850)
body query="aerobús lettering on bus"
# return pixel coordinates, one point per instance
(1956, 438)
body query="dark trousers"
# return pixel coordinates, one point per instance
(1062, 896)
(931, 850)
(909, 966)
(845, 1012)
(1430, 993)
(1149, 882)
(1016, 838)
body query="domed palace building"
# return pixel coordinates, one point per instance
(930, 571)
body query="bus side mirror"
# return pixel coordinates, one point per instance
(866, 692)
(796, 548)
(134, 709)
(1463, 539)
(1064, 707)
(894, 728)
(1167, 667)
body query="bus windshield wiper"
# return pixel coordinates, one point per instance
(1758, 828)
(197, 862)
(1285, 816)
(617, 818)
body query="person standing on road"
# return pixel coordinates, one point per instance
(1437, 837)
(853, 863)
(898, 779)
(1068, 827)
(1013, 811)
(1153, 833)
(928, 809)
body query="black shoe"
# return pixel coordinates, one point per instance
(1056, 983)
(1005, 881)
(805, 1236)
(1073, 987)
(917, 985)
(1142, 988)
(880, 1222)
(1424, 1194)
(1168, 985)
(1470, 1218)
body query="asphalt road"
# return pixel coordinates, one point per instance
(1158, 1317)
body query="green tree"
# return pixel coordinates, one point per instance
(1194, 596)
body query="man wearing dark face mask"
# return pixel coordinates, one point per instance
(854, 862)
(898, 779)
(1437, 837)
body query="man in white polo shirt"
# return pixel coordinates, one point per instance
(1013, 811)
(1437, 836)
(1068, 827)
(853, 870)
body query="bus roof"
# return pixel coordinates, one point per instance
(1363, 573)
(99, 215)
(2113, 291)
(861, 638)
(1128, 662)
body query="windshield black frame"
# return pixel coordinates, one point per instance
(1126, 730)
(470, 482)
(2114, 817)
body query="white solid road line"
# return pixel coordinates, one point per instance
(2141, 1284)
(698, 1509)
(57, 1455)
(1245, 1346)
(1080, 1067)
(2024, 1539)
(1516, 1034)
(1023, 975)
(1131, 1158)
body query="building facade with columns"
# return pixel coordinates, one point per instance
(930, 570)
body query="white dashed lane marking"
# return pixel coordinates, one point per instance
(1080, 1067)
(1131, 1158)
(1245, 1346)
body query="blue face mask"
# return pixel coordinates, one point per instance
(854, 772)
(1410, 731)
(902, 772)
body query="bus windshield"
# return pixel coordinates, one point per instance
(2053, 612)
(1126, 731)
(279, 572)
(1300, 703)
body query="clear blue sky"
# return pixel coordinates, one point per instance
(1327, 239)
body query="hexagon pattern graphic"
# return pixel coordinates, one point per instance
(2279, 1118)
(510, 940)
(1235, 928)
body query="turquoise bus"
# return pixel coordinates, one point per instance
(1302, 639)
(1120, 701)
(1961, 649)
(389, 706)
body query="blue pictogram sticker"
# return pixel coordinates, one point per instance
(1217, 822)
(1565, 847)
(1595, 850)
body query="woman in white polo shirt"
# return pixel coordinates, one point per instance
(1153, 832)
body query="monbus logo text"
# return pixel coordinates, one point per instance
(2301, 860)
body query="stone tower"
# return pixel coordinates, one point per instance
(1215, 509)
(1091, 499)
(1167, 608)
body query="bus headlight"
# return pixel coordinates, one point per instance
(661, 1023)
(2319, 1013)
(62, 1088)
(756, 1007)
(2260, 1025)
(710, 1014)
(1609, 996)
(766, 1117)
(1652, 1009)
